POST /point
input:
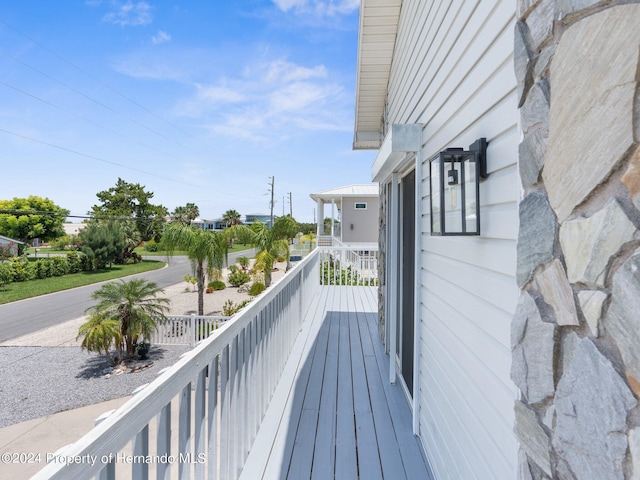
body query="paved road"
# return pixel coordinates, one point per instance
(31, 315)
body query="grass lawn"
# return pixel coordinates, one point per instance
(32, 288)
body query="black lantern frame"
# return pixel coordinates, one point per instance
(454, 179)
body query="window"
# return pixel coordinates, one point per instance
(361, 205)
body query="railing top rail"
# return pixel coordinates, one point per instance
(121, 426)
(197, 317)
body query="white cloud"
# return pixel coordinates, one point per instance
(160, 37)
(283, 71)
(318, 7)
(273, 101)
(130, 14)
(219, 94)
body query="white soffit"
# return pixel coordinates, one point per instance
(400, 142)
(376, 43)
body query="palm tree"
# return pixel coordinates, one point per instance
(272, 244)
(186, 214)
(126, 312)
(207, 251)
(100, 333)
(231, 218)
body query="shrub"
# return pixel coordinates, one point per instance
(229, 308)
(233, 268)
(42, 268)
(243, 261)
(256, 288)
(6, 274)
(59, 266)
(60, 243)
(151, 246)
(77, 262)
(217, 285)
(23, 270)
(238, 278)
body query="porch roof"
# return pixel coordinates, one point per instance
(376, 44)
(336, 194)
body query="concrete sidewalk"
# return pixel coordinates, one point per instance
(24, 447)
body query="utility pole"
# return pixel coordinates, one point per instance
(290, 205)
(272, 203)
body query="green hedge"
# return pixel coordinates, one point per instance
(23, 269)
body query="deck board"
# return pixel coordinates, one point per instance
(334, 414)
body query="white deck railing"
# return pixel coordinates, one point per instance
(231, 376)
(186, 329)
(348, 266)
(221, 390)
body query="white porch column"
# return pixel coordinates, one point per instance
(320, 204)
(333, 216)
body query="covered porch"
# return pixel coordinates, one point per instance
(294, 386)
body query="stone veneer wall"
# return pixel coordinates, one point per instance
(576, 332)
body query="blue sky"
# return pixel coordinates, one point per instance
(199, 101)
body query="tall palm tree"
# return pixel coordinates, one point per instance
(135, 305)
(231, 218)
(272, 244)
(207, 251)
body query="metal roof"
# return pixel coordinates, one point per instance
(376, 42)
(366, 190)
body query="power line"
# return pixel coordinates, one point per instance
(85, 119)
(97, 102)
(93, 77)
(86, 155)
(86, 217)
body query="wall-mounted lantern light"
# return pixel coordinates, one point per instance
(455, 189)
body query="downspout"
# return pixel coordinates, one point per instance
(416, 294)
(392, 268)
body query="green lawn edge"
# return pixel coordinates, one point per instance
(15, 291)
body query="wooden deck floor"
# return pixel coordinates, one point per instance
(334, 414)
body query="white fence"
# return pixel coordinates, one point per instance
(220, 390)
(348, 266)
(186, 329)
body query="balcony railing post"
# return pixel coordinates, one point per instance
(212, 420)
(184, 433)
(164, 441)
(140, 470)
(192, 341)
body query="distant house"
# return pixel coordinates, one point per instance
(10, 244)
(252, 218)
(357, 208)
(73, 228)
(217, 224)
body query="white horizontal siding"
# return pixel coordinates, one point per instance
(453, 72)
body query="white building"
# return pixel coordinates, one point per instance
(353, 213)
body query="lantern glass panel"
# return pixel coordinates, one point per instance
(436, 227)
(453, 196)
(471, 196)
